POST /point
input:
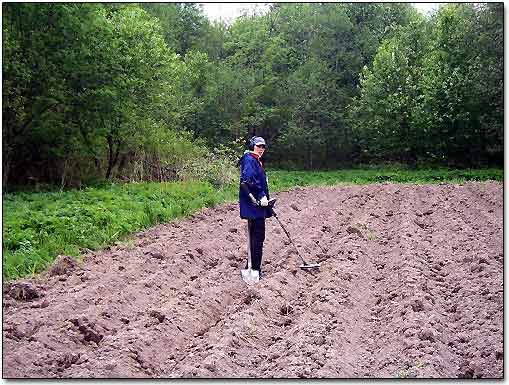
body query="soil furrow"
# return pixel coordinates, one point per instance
(411, 285)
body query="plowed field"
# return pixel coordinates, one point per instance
(411, 285)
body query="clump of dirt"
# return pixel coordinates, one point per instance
(157, 314)
(23, 291)
(62, 265)
(411, 285)
(88, 329)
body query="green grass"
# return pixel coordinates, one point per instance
(38, 226)
(280, 180)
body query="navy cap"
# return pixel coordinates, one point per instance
(257, 140)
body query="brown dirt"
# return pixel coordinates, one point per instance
(411, 285)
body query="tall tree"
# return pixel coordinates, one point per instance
(183, 24)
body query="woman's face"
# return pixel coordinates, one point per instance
(259, 149)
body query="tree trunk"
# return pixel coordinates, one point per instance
(310, 157)
(110, 156)
(122, 163)
(97, 163)
(5, 176)
(64, 174)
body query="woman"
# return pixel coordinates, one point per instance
(253, 202)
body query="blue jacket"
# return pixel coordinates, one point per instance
(253, 174)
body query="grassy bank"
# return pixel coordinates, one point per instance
(39, 226)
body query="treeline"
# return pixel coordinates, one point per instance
(435, 91)
(156, 91)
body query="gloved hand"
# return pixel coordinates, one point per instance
(264, 202)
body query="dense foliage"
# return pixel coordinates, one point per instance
(434, 91)
(154, 91)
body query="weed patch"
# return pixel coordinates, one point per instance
(40, 226)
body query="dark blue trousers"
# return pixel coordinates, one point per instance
(257, 236)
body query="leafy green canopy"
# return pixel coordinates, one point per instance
(434, 91)
(155, 91)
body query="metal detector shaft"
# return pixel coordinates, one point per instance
(290, 238)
